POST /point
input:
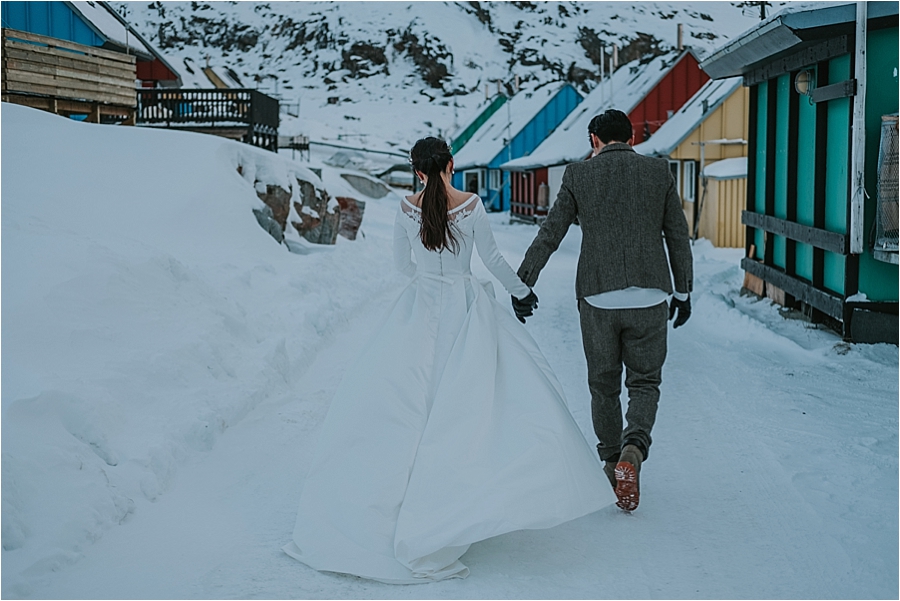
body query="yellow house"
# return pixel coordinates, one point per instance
(710, 128)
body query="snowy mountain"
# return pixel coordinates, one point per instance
(344, 67)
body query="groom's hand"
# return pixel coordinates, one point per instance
(683, 307)
(526, 306)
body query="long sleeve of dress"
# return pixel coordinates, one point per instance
(402, 249)
(490, 255)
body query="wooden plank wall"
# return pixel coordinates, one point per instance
(35, 64)
(720, 219)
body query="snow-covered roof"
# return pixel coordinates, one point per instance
(503, 126)
(471, 117)
(196, 76)
(785, 31)
(689, 117)
(727, 169)
(569, 142)
(99, 15)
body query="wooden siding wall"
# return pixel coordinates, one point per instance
(720, 217)
(728, 120)
(798, 196)
(670, 94)
(61, 69)
(153, 71)
(720, 221)
(524, 187)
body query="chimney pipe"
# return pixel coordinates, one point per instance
(615, 56)
(680, 37)
(517, 84)
(499, 89)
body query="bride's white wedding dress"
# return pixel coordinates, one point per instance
(450, 427)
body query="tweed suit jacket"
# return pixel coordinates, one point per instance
(630, 213)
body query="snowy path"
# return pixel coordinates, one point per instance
(773, 475)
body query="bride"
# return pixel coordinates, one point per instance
(450, 427)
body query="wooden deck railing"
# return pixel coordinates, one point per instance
(199, 110)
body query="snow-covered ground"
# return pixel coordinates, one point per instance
(167, 365)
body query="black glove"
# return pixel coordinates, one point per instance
(525, 307)
(684, 310)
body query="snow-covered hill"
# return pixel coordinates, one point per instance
(351, 66)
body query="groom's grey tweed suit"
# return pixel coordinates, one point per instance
(628, 209)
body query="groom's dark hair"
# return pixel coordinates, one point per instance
(611, 126)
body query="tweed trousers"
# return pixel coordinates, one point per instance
(635, 338)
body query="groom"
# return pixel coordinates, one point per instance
(628, 209)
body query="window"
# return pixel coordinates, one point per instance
(472, 181)
(495, 179)
(690, 181)
(675, 168)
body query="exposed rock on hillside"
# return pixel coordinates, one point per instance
(346, 64)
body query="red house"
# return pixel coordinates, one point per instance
(648, 93)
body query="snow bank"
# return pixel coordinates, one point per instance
(733, 168)
(145, 312)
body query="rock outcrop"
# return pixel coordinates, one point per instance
(351, 216)
(319, 215)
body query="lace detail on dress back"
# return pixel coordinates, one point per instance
(456, 214)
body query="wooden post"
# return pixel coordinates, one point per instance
(858, 148)
(95, 113)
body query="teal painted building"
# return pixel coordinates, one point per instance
(810, 229)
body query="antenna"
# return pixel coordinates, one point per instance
(748, 9)
(124, 14)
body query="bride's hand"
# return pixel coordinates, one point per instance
(525, 307)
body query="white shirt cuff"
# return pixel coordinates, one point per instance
(682, 296)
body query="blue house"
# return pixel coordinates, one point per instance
(511, 132)
(94, 24)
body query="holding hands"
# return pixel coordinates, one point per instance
(525, 307)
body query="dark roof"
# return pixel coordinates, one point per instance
(788, 31)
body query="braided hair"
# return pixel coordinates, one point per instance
(431, 156)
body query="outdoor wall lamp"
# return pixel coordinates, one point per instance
(805, 82)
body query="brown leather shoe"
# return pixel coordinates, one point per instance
(609, 468)
(627, 473)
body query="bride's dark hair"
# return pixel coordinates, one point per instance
(431, 156)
